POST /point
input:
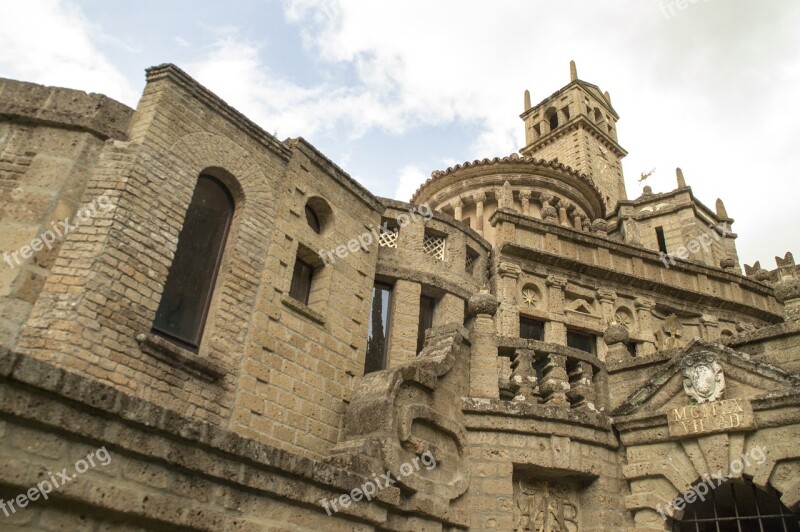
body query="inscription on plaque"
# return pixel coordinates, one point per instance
(706, 418)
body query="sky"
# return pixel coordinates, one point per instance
(392, 91)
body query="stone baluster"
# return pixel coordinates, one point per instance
(549, 213)
(555, 381)
(523, 377)
(484, 370)
(581, 385)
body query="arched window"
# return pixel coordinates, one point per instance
(737, 505)
(182, 313)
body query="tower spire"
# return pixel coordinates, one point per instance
(573, 71)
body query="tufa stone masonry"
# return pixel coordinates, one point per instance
(250, 333)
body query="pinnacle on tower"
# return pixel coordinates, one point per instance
(573, 71)
(527, 99)
(721, 212)
(608, 97)
(681, 180)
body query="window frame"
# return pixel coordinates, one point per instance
(301, 268)
(193, 344)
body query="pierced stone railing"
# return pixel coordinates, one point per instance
(549, 374)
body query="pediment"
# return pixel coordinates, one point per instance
(703, 372)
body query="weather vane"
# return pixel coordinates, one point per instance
(645, 177)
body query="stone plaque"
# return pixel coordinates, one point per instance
(729, 415)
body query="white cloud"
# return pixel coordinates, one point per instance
(181, 42)
(411, 177)
(709, 89)
(47, 41)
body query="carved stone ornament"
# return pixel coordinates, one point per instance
(703, 379)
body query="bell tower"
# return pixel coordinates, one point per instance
(577, 126)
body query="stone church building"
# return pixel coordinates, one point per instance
(203, 327)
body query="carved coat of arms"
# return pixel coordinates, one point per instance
(703, 379)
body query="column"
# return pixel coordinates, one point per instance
(508, 314)
(607, 297)
(404, 318)
(554, 330)
(710, 327)
(479, 201)
(449, 309)
(525, 198)
(458, 205)
(484, 370)
(644, 309)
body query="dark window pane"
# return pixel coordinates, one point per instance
(378, 340)
(584, 342)
(301, 281)
(187, 293)
(313, 220)
(531, 329)
(662, 243)
(426, 305)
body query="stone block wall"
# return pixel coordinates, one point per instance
(50, 139)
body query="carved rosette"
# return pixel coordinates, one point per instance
(703, 379)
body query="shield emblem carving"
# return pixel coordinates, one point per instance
(703, 379)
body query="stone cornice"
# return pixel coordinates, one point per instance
(625, 249)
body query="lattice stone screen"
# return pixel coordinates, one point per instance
(471, 259)
(434, 246)
(388, 238)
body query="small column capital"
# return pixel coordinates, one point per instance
(644, 303)
(509, 269)
(556, 281)
(606, 295)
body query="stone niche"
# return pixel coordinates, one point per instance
(545, 503)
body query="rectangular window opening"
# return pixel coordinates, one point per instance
(662, 242)
(584, 342)
(426, 306)
(301, 281)
(378, 339)
(531, 329)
